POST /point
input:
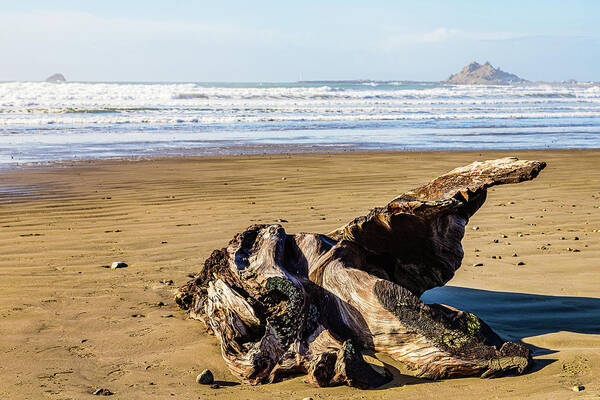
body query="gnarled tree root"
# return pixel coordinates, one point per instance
(283, 304)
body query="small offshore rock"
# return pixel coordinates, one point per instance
(118, 264)
(578, 388)
(56, 78)
(206, 377)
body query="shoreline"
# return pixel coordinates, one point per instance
(90, 327)
(74, 163)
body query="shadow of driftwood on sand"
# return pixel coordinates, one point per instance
(515, 316)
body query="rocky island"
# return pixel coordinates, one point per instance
(56, 78)
(483, 74)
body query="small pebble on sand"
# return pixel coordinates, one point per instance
(520, 263)
(206, 377)
(118, 264)
(577, 388)
(102, 392)
(478, 265)
(475, 228)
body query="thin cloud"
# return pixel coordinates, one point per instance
(438, 35)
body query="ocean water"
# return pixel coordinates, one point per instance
(41, 122)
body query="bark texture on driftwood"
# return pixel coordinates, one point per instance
(284, 304)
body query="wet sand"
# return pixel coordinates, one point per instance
(69, 326)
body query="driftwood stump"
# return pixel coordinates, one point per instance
(283, 304)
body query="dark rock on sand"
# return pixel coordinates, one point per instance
(102, 392)
(118, 264)
(206, 377)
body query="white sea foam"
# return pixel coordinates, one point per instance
(112, 114)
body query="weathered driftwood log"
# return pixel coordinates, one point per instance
(283, 304)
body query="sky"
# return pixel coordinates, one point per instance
(284, 40)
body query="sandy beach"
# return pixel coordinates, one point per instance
(69, 326)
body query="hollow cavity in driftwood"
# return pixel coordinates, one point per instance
(283, 304)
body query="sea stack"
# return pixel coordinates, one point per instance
(56, 78)
(478, 74)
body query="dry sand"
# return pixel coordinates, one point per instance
(69, 326)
